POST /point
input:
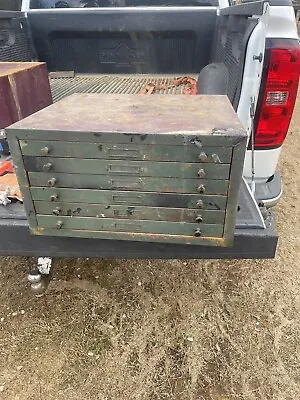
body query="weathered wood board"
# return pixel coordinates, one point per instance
(24, 89)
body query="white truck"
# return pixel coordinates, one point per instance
(249, 51)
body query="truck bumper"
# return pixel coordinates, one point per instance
(16, 239)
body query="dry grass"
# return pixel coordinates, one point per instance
(154, 330)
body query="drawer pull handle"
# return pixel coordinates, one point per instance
(127, 198)
(53, 197)
(56, 211)
(124, 169)
(199, 219)
(45, 151)
(201, 189)
(124, 153)
(47, 167)
(59, 224)
(199, 204)
(203, 156)
(52, 182)
(198, 232)
(201, 173)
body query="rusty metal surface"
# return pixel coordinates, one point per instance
(137, 114)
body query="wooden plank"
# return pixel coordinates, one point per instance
(189, 153)
(140, 226)
(112, 197)
(119, 182)
(133, 212)
(24, 89)
(126, 168)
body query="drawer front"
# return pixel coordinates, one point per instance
(127, 168)
(109, 151)
(130, 212)
(148, 184)
(112, 197)
(139, 226)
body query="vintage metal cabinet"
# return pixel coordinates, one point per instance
(143, 168)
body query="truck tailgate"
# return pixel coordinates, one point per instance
(251, 240)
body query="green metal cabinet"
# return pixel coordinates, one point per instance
(132, 167)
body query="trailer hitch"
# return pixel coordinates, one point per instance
(40, 277)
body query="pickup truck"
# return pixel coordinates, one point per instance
(120, 46)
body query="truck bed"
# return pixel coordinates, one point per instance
(121, 84)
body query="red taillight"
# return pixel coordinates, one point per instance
(278, 96)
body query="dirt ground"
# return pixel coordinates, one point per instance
(152, 330)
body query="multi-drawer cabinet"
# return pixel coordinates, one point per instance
(150, 168)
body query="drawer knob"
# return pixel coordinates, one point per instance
(199, 204)
(53, 197)
(201, 173)
(56, 211)
(45, 151)
(199, 219)
(201, 188)
(215, 158)
(59, 224)
(52, 182)
(197, 232)
(47, 167)
(203, 156)
(197, 143)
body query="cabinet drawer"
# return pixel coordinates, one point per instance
(148, 184)
(110, 151)
(130, 212)
(112, 197)
(127, 168)
(139, 226)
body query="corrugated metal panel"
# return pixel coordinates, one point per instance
(14, 44)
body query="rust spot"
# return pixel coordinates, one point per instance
(215, 205)
(130, 210)
(37, 231)
(143, 137)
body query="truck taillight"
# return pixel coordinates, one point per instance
(278, 94)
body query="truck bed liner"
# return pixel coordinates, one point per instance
(121, 84)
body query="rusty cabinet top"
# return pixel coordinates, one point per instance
(180, 114)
